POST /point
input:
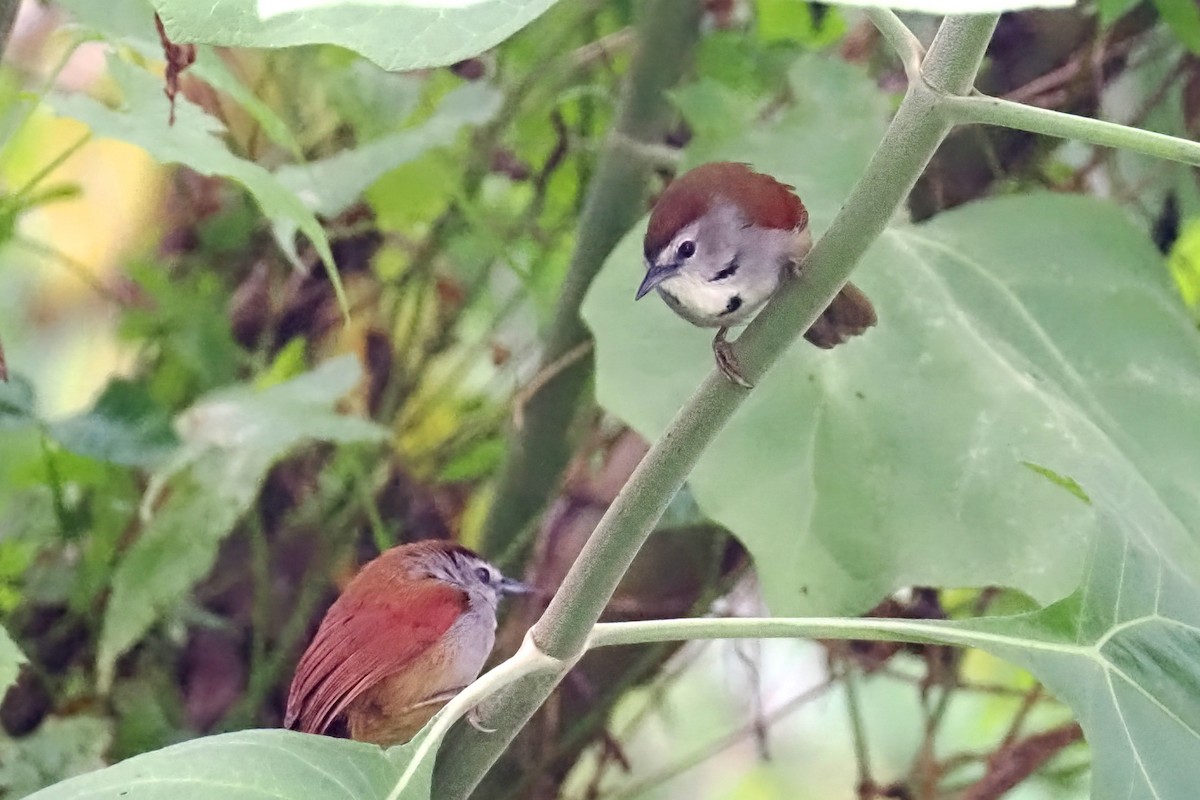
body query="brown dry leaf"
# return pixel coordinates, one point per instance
(179, 57)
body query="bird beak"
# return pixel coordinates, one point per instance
(510, 586)
(654, 276)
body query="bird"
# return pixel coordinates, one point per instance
(720, 241)
(412, 628)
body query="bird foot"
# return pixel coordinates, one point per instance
(473, 721)
(727, 362)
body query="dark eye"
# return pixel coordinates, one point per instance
(484, 575)
(686, 249)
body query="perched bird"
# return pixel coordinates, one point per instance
(720, 241)
(412, 628)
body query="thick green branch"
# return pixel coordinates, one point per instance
(1007, 114)
(540, 450)
(563, 630)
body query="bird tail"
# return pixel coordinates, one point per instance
(848, 315)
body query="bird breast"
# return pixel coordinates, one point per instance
(717, 304)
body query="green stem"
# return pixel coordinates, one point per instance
(563, 630)
(539, 452)
(858, 732)
(527, 661)
(8, 15)
(907, 46)
(1007, 114)
(611, 634)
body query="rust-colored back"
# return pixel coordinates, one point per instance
(771, 203)
(382, 621)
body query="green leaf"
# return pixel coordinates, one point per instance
(1183, 18)
(131, 22)
(125, 426)
(192, 141)
(11, 659)
(1184, 263)
(16, 403)
(1121, 650)
(331, 185)
(396, 34)
(1112, 10)
(1035, 329)
(60, 748)
(958, 6)
(247, 765)
(231, 439)
(1064, 481)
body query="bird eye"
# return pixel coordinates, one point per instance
(687, 249)
(484, 575)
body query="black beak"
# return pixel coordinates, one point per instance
(654, 276)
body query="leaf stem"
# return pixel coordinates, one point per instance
(907, 46)
(1005, 113)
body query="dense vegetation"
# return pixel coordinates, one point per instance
(366, 276)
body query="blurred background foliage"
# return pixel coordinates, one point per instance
(199, 440)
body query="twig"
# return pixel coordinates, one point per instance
(544, 376)
(866, 787)
(1015, 762)
(705, 753)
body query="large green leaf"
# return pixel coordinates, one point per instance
(1028, 329)
(230, 439)
(396, 34)
(1124, 649)
(247, 765)
(958, 6)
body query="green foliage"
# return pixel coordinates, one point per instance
(230, 439)
(242, 766)
(125, 426)
(59, 748)
(396, 35)
(1184, 263)
(1022, 416)
(1119, 650)
(1001, 304)
(11, 659)
(1183, 17)
(329, 186)
(193, 141)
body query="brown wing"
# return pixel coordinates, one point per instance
(848, 315)
(362, 640)
(771, 203)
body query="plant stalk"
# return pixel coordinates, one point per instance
(540, 450)
(1005, 113)
(562, 632)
